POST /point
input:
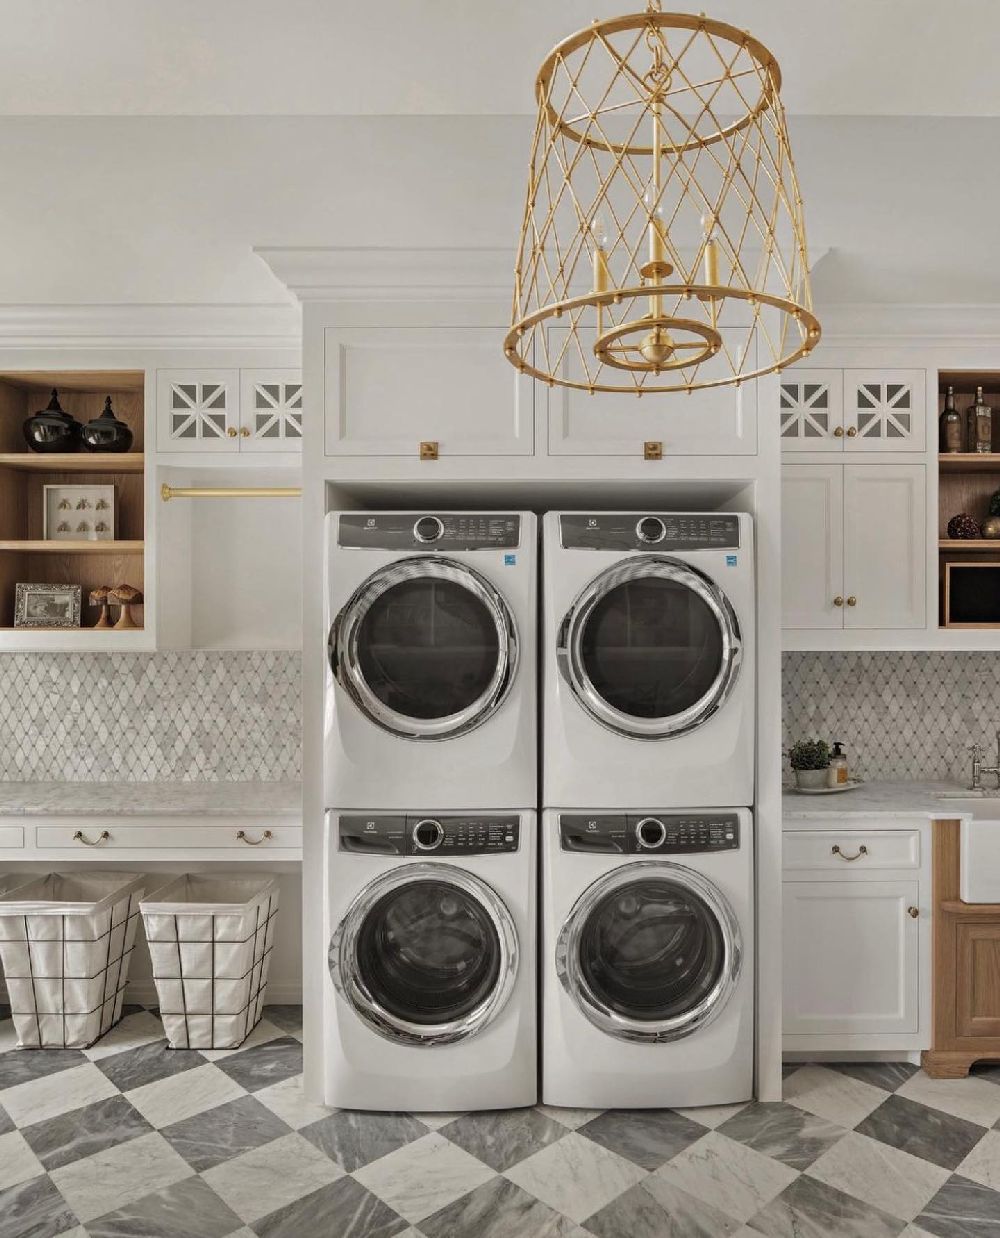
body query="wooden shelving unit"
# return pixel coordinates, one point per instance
(969, 462)
(25, 556)
(966, 545)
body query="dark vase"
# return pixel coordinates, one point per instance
(52, 429)
(106, 433)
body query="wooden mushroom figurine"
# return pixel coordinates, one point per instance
(126, 597)
(101, 597)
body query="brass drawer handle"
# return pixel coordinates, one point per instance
(913, 912)
(80, 837)
(254, 842)
(862, 850)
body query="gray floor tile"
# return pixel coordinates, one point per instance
(147, 1064)
(962, 1209)
(6, 1121)
(343, 1208)
(811, 1209)
(34, 1209)
(187, 1209)
(82, 1132)
(930, 1133)
(209, 1138)
(886, 1075)
(265, 1064)
(649, 1137)
(502, 1138)
(636, 1214)
(499, 1209)
(353, 1139)
(787, 1133)
(21, 1065)
(288, 1018)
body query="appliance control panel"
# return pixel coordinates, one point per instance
(429, 834)
(650, 531)
(650, 833)
(429, 530)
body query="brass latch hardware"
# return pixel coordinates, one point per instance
(428, 450)
(652, 450)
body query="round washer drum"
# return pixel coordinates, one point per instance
(426, 648)
(426, 955)
(651, 951)
(651, 648)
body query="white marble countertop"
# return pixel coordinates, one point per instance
(874, 799)
(151, 799)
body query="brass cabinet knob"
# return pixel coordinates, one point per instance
(839, 432)
(244, 432)
(913, 912)
(232, 431)
(852, 432)
(852, 600)
(838, 600)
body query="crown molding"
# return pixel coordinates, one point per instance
(872, 323)
(151, 326)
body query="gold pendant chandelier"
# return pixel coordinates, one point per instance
(662, 246)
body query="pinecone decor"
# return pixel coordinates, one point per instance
(995, 503)
(963, 526)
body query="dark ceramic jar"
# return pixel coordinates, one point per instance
(52, 429)
(106, 433)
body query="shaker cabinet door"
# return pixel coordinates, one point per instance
(197, 410)
(885, 545)
(812, 546)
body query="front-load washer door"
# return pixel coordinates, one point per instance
(650, 952)
(426, 648)
(426, 955)
(651, 648)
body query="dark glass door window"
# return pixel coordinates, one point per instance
(651, 950)
(428, 648)
(429, 953)
(652, 648)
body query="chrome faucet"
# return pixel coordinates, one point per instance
(978, 768)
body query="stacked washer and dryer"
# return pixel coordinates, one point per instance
(645, 938)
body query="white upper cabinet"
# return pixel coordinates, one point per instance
(716, 421)
(853, 411)
(391, 389)
(812, 546)
(202, 410)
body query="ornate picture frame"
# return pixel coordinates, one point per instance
(47, 606)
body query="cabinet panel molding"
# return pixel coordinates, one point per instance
(812, 410)
(978, 978)
(885, 409)
(197, 410)
(271, 410)
(812, 545)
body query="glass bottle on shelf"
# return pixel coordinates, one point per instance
(980, 425)
(952, 432)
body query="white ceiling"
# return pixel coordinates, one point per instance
(459, 57)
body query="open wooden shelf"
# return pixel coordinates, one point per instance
(74, 462)
(969, 462)
(964, 545)
(18, 546)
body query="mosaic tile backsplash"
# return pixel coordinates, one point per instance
(900, 715)
(181, 717)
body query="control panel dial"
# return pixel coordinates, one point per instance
(651, 530)
(428, 529)
(650, 833)
(428, 834)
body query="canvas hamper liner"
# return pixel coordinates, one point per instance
(210, 937)
(66, 943)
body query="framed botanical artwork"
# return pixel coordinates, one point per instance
(47, 606)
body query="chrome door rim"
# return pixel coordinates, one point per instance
(349, 983)
(570, 973)
(569, 651)
(345, 663)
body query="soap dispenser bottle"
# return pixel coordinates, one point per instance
(838, 765)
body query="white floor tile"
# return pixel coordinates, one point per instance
(712, 1115)
(832, 1095)
(261, 1034)
(118, 1176)
(976, 1100)
(138, 1029)
(572, 1118)
(182, 1096)
(882, 1176)
(983, 1162)
(272, 1176)
(17, 1161)
(424, 1176)
(576, 1176)
(287, 1101)
(728, 1175)
(50, 1095)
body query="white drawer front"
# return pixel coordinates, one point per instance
(111, 837)
(11, 836)
(851, 851)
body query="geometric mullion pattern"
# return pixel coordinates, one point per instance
(277, 410)
(805, 410)
(198, 410)
(884, 410)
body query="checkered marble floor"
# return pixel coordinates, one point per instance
(129, 1139)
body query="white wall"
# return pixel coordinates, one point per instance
(166, 209)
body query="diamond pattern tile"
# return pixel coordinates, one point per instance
(133, 1145)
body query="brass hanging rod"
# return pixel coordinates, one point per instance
(229, 492)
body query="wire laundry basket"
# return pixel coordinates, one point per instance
(66, 942)
(210, 938)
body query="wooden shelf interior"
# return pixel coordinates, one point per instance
(23, 474)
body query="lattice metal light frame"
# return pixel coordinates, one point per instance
(663, 244)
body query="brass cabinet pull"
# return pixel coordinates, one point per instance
(838, 600)
(852, 600)
(429, 449)
(244, 431)
(913, 912)
(852, 432)
(80, 837)
(862, 850)
(839, 432)
(254, 842)
(232, 431)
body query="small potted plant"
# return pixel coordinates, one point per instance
(810, 760)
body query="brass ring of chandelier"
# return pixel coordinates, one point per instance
(657, 347)
(656, 21)
(808, 325)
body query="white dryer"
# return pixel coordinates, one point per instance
(431, 681)
(649, 659)
(647, 958)
(431, 995)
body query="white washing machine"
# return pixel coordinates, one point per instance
(431, 681)
(431, 995)
(647, 958)
(649, 659)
